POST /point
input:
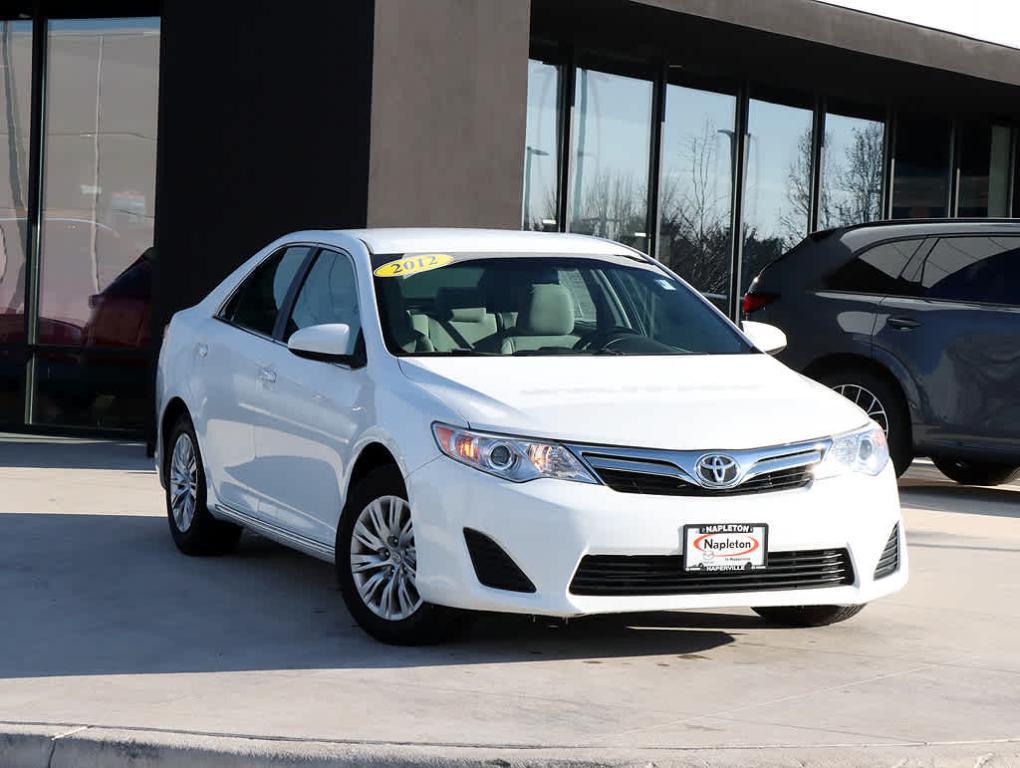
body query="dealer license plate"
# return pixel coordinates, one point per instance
(725, 547)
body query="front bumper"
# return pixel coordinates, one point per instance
(547, 526)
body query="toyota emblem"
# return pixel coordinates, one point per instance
(717, 470)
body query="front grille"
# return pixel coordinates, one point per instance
(494, 567)
(889, 562)
(668, 485)
(636, 575)
(683, 473)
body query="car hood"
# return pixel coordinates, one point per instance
(676, 403)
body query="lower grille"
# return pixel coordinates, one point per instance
(889, 562)
(636, 575)
(666, 485)
(494, 567)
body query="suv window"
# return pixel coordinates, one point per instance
(258, 300)
(328, 295)
(877, 270)
(982, 269)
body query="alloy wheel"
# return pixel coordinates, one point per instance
(867, 400)
(383, 559)
(183, 482)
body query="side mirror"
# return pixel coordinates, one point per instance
(331, 343)
(765, 337)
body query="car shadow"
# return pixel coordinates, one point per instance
(946, 496)
(23, 451)
(89, 594)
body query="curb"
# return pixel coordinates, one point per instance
(83, 746)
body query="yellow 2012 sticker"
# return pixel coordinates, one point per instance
(410, 265)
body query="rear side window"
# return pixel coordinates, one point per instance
(877, 270)
(972, 269)
(257, 301)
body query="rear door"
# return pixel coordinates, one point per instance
(233, 360)
(959, 336)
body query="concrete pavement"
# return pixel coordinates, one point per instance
(133, 654)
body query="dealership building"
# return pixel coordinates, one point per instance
(150, 147)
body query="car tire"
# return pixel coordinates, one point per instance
(377, 581)
(808, 615)
(193, 528)
(968, 472)
(888, 409)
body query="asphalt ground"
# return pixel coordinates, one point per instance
(109, 637)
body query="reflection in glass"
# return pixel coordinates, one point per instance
(777, 195)
(984, 169)
(15, 104)
(851, 180)
(98, 181)
(99, 391)
(541, 150)
(696, 187)
(921, 171)
(609, 150)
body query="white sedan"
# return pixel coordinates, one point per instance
(545, 424)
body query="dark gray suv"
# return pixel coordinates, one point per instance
(919, 323)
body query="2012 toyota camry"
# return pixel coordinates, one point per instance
(545, 424)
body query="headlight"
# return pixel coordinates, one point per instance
(864, 450)
(509, 457)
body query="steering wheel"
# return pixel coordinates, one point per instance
(602, 338)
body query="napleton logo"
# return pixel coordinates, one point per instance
(717, 470)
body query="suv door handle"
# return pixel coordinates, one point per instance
(268, 375)
(904, 323)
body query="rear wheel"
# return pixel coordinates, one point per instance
(376, 563)
(883, 403)
(194, 530)
(976, 472)
(808, 615)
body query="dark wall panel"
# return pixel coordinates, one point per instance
(263, 129)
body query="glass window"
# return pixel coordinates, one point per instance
(328, 295)
(541, 148)
(698, 149)
(611, 136)
(15, 101)
(984, 170)
(99, 174)
(258, 300)
(982, 269)
(921, 169)
(777, 195)
(96, 390)
(564, 305)
(877, 270)
(851, 180)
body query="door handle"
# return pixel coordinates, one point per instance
(904, 323)
(268, 375)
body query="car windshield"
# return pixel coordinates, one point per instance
(476, 304)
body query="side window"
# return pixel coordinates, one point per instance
(258, 300)
(982, 269)
(328, 295)
(584, 305)
(877, 270)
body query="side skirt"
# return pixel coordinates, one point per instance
(277, 534)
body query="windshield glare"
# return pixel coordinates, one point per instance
(485, 304)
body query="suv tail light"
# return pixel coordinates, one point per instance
(752, 301)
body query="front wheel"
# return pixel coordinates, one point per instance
(976, 472)
(808, 615)
(376, 565)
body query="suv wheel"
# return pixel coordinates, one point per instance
(194, 530)
(976, 472)
(808, 615)
(376, 565)
(881, 402)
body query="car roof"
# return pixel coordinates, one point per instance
(424, 239)
(860, 235)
